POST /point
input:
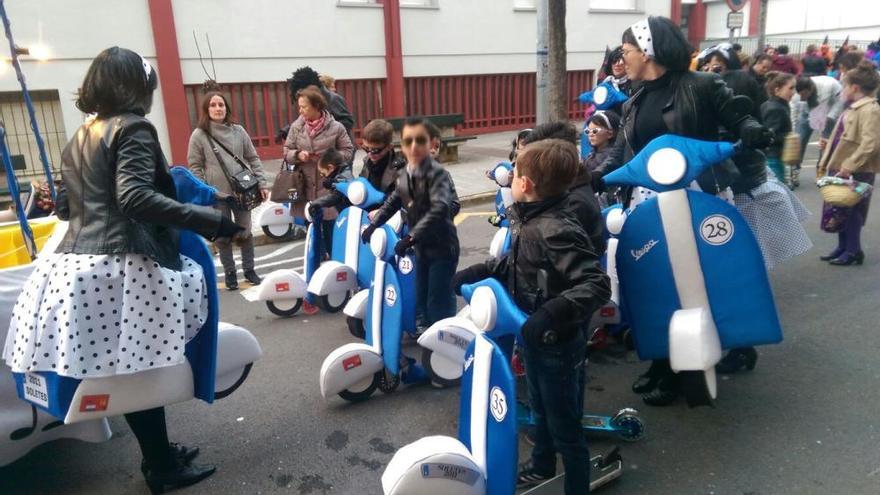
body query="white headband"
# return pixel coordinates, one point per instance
(601, 114)
(147, 67)
(642, 31)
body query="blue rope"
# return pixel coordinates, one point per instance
(28, 103)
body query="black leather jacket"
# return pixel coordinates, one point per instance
(118, 194)
(545, 237)
(383, 174)
(777, 117)
(429, 198)
(751, 164)
(700, 105)
(584, 207)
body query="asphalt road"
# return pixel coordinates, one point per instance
(803, 422)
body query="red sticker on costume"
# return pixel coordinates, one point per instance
(94, 403)
(285, 287)
(351, 363)
(342, 277)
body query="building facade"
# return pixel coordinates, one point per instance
(390, 58)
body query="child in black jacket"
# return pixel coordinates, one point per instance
(553, 275)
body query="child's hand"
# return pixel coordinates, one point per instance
(539, 323)
(367, 233)
(404, 245)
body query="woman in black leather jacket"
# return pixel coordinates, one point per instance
(672, 100)
(121, 244)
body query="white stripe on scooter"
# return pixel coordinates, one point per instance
(277, 252)
(480, 400)
(378, 299)
(675, 215)
(353, 237)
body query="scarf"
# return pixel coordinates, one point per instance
(317, 125)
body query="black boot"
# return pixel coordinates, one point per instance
(182, 453)
(252, 277)
(178, 475)
(736, 360)
(668, 389)
(231, 281)
(648, 380)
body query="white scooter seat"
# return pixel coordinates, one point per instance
(434, 465)
(348, 365)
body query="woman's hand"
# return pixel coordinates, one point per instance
(264, 193)
(843, 174)
(303, 156)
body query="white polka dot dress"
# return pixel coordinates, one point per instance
(87, 316)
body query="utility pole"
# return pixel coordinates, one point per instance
(542, 102)
(762, 26)
(558, 87)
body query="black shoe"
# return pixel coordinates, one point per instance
(528, 476)
(736, 360)
(182, 453)
(847, 259)
(648, 380)
(179, 476)
(832, 255)
(667, 391)
(252, 277)
(231, 281)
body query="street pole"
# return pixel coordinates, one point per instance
(542, 103)
(558, 82)
(762, 26)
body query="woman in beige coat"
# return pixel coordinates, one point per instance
(216, 121)
(310, 136)
(854, 152)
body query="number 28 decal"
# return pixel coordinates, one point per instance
(716, 230)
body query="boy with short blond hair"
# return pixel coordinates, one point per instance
(553, 274)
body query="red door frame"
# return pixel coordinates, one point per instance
(171, 80)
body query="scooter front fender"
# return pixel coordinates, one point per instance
(332, 277)
(693, 340)
(450, 337)
(275, 214)
(236, 348)
(282, 284)
(357, 305)
(348, 365)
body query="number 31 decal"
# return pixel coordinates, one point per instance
(716, 230)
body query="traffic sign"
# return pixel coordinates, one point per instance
(735, 20)
(736, 5)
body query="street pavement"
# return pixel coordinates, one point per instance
(803, 422)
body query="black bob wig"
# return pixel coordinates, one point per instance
(117, 83)
(671, 48)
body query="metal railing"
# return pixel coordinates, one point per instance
(796, 46)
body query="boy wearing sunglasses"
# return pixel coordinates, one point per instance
(424, 189)
(553, 274)
(381, 163)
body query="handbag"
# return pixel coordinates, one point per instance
(791, 149)
(245, 184)
(837, 191)
(289, 185)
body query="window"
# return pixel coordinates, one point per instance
(19, 137)
(430, 4)
(358, 3)
(616, 5)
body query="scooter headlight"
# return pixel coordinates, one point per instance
(378, 242)
(357, 193)
(484, 309)
(667, 166)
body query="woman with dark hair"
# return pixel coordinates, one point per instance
(120, 202)
(615, 70)
(853, 153)
(672, 100)
(214, 145)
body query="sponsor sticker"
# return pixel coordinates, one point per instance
(282, 287)
(451, 472)
(606, 311)
(279, 211)
(351, 363)
(717, 230)
(35, 389)
(94, 403)
(498, 404)
(453, 339)
(342, 277)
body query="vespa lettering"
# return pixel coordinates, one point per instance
(638, 253)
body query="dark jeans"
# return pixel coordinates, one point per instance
(244, 239)
(553, 374)
(435, 299)
(152, 436)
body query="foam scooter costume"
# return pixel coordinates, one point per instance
(689, 266)
(356, 370)
(276, 221)
(218, 358)
(604, 97)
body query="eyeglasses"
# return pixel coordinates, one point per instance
(594, 131)
(419, 140)
(373, 151)
(627, 52)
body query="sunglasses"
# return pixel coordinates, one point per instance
(374, 151)
(594, 131)
(419, 140)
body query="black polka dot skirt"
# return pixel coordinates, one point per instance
(86, 316)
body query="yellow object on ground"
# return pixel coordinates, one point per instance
(12, 249)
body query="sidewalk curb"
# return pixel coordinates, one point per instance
(261, 239)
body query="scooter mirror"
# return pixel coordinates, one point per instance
(484, 308)
(378, 242)
(667, 166)
(501, 175)
(600, 94)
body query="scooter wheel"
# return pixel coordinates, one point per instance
(244, 374)
(332, 303)
(281, 309)
(441, 375)
(695, 388)
(278, 232)
(359, 394)
(356, 327)
(388, 383)
(629, 425)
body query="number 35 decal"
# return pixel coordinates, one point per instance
(716, 230)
